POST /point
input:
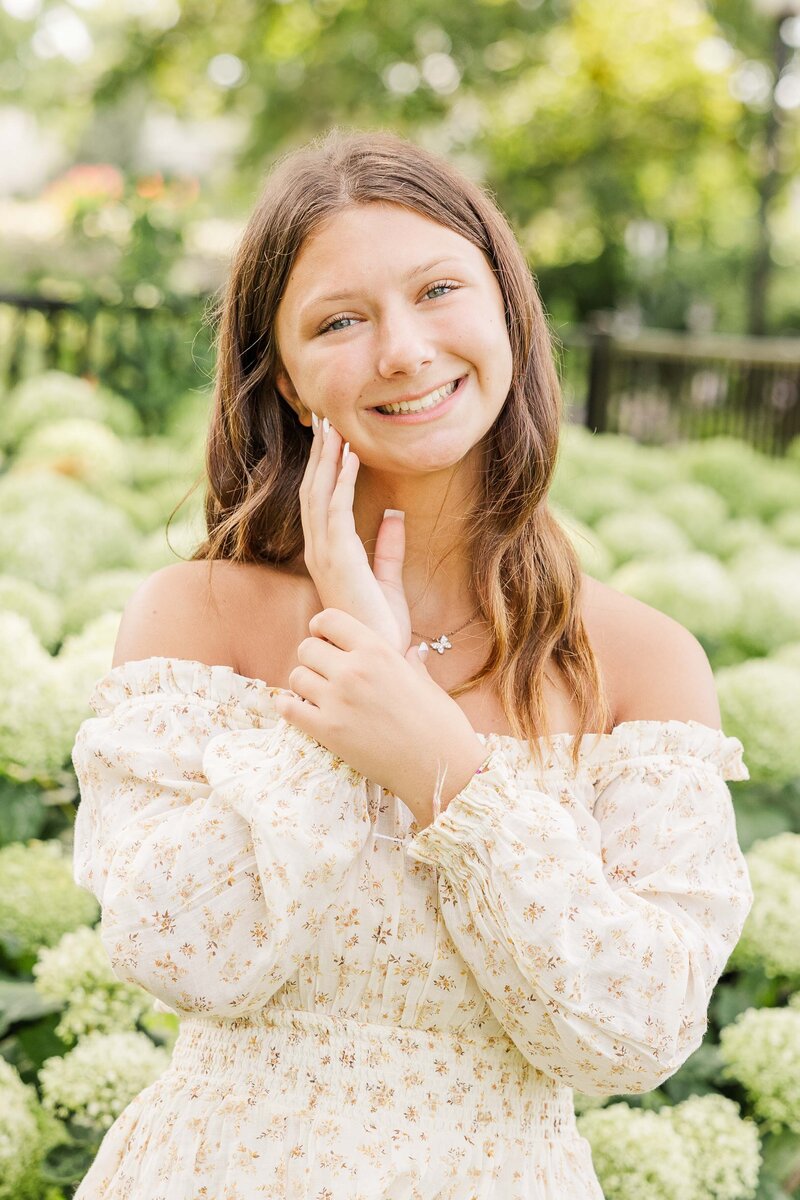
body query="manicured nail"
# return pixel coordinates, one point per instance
(394, 512)
(423, 650)
(314, 422)
(345, 452)
(326, 425)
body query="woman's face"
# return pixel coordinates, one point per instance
(384, 305)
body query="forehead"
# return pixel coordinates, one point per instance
(364, 241)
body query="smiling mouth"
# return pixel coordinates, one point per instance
(425, 402)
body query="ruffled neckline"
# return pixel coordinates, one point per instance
(252, 700)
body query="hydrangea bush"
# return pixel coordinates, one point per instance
(39, 900)
(707, 532)
(26, 1134)
(77, 973)
(92, 1083)
(770, 939)
(760, 1049)
(700, 1149)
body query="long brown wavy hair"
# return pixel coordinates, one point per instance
(526, 573)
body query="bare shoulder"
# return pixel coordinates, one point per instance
(175, 613)
(191, 610)
(656, 669)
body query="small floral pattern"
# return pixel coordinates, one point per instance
(370, 1010)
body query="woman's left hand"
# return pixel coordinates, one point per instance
(380, 712)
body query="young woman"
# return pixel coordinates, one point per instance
(402, 907)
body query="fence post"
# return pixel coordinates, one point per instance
(599, 379)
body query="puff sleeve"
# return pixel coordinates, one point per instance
(598, 941)
(215, 834)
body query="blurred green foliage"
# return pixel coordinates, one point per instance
(625, 140)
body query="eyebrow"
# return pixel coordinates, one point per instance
(409, 275)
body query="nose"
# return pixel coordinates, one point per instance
(403, 347)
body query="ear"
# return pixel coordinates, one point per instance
(287, 390)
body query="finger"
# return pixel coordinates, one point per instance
(341, 522)
(342, 629)
(308, 685)
(390, 549)
(305, 487)
(321, 489)
(320, 656)
(299, 712)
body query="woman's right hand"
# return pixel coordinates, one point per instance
(335, 555)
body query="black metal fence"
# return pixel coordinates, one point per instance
(150, 355)
(658, 386)
(655, 386)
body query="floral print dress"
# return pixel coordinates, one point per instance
(373, 1011)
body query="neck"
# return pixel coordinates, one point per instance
(437, 570)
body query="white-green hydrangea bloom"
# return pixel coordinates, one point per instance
(107, 591)
(769, 938)
(779, 490)
(56, 396)
(81, 449)
(694, 589)
(94, 643)
(751, 483)
(188, 419)
(725, 1148)
(31, 734)
(697, 509)
(759, 702)
(641, 533)
(615, 456)
(786, 528)
(83, 659)
(44, 699)
(78, 974)
(637, 1154)
(42, 609)
(154, 552)
(149, 509)
(594, 557)
(743, 535)
(20, 1137)
(582, 1103)
(788, 654)
(769, 583)
(159, 460)
(54, 533)
(761, 1049)
(95, 1081)
(39, 900)
(590, 497)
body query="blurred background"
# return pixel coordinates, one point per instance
(647, 154)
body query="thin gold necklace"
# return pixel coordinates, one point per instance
(443, 642)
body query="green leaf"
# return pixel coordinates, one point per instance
(23, 813)
(20, 1001)
(698, 1075)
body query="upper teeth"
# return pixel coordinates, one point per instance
(426, 401)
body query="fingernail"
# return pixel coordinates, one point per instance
(345, 452)
(423, 650)
(326, 425)
(314, 422)
(394, 512)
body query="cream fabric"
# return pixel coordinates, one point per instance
(370, 1011)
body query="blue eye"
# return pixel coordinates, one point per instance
(336, 320)
(337, 323)
(435, 287)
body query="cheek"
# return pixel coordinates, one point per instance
(332, 374)
(483, 340)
